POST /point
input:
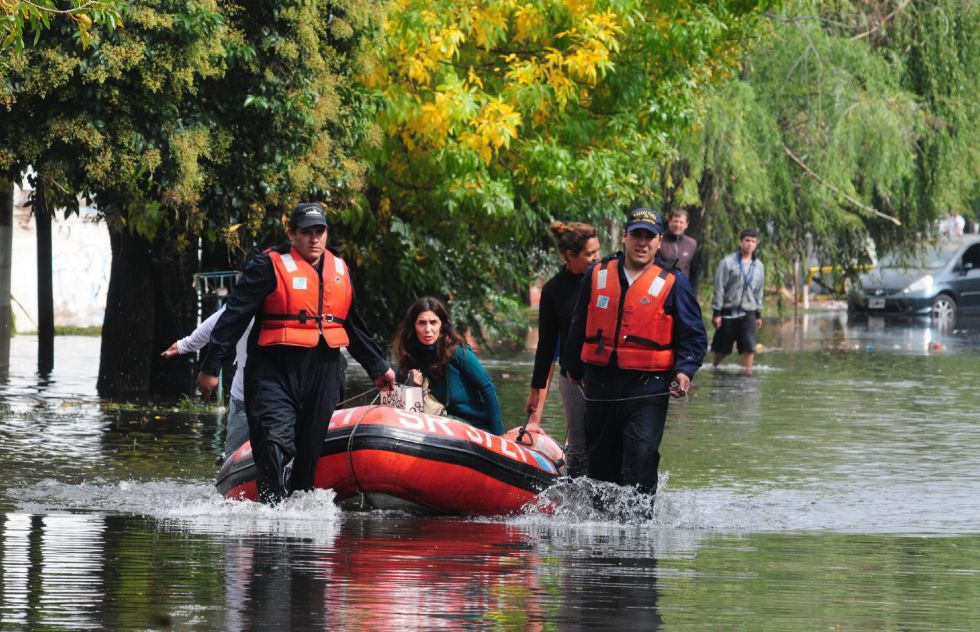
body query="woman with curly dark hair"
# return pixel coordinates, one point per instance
(579, 248)
(428, 343)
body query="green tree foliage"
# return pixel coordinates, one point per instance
(292, 113)
(111, 121)
(849, 123)
(198, 119)
(500, 116)
(198, 115)
(941, 43)
(18, 17)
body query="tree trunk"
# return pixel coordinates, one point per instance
(176, 316)
(150, 304)
(700, 223)
(6, 234)
(695, 227)
(45, 292)
(128, 350)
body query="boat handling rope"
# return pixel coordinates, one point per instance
(350, 443)
(523, 431)
(350, 399)
(626, 399)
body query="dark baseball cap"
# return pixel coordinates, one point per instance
(649, 219)
(307, 214)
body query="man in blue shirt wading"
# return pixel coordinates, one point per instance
(636, 338)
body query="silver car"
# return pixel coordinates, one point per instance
(939, 282)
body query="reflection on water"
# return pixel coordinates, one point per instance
(52, 570)
(93, 571)
(382, 572)
(833, 332)
(795, 498)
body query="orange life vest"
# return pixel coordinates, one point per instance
(301, 309)
(635, 327)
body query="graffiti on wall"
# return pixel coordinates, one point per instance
(81, 262)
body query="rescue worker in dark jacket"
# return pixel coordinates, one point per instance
(302, 299)
(636, 337)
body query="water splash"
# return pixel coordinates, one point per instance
(583, 500)
(571, 503)
(194, 506)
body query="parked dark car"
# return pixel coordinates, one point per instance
(939, 282)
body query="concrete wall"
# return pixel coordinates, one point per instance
(81, 261)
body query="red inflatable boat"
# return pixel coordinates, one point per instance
(387, 458)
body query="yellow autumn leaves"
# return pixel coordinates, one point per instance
(472, 75)
(493, 129)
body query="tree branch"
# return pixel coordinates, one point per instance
(885, 19)
(41, 9)
(855, 202)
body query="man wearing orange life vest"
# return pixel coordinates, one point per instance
(303, 302)
(637, 337)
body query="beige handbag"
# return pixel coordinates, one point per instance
(430, 404)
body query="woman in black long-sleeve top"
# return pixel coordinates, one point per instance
(579, 248)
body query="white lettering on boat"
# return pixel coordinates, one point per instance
(520, 451)
(412, 422)
(345, 420)
(484, 438)
(442, 424)
(507, 447)
(478, 436)
(423, 421)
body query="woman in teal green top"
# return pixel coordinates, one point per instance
(427, 341)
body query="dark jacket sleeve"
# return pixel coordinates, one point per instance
(246, 300)
(690, 337)
(544, 355)
(362, 346)
(695, 276)
(572, 352)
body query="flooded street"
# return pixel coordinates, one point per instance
(836, 488)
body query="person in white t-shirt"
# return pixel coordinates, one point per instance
(953, 225)
(236, 422)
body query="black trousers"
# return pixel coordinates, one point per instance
(290, 395)
(739, 330)
(623, 437)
